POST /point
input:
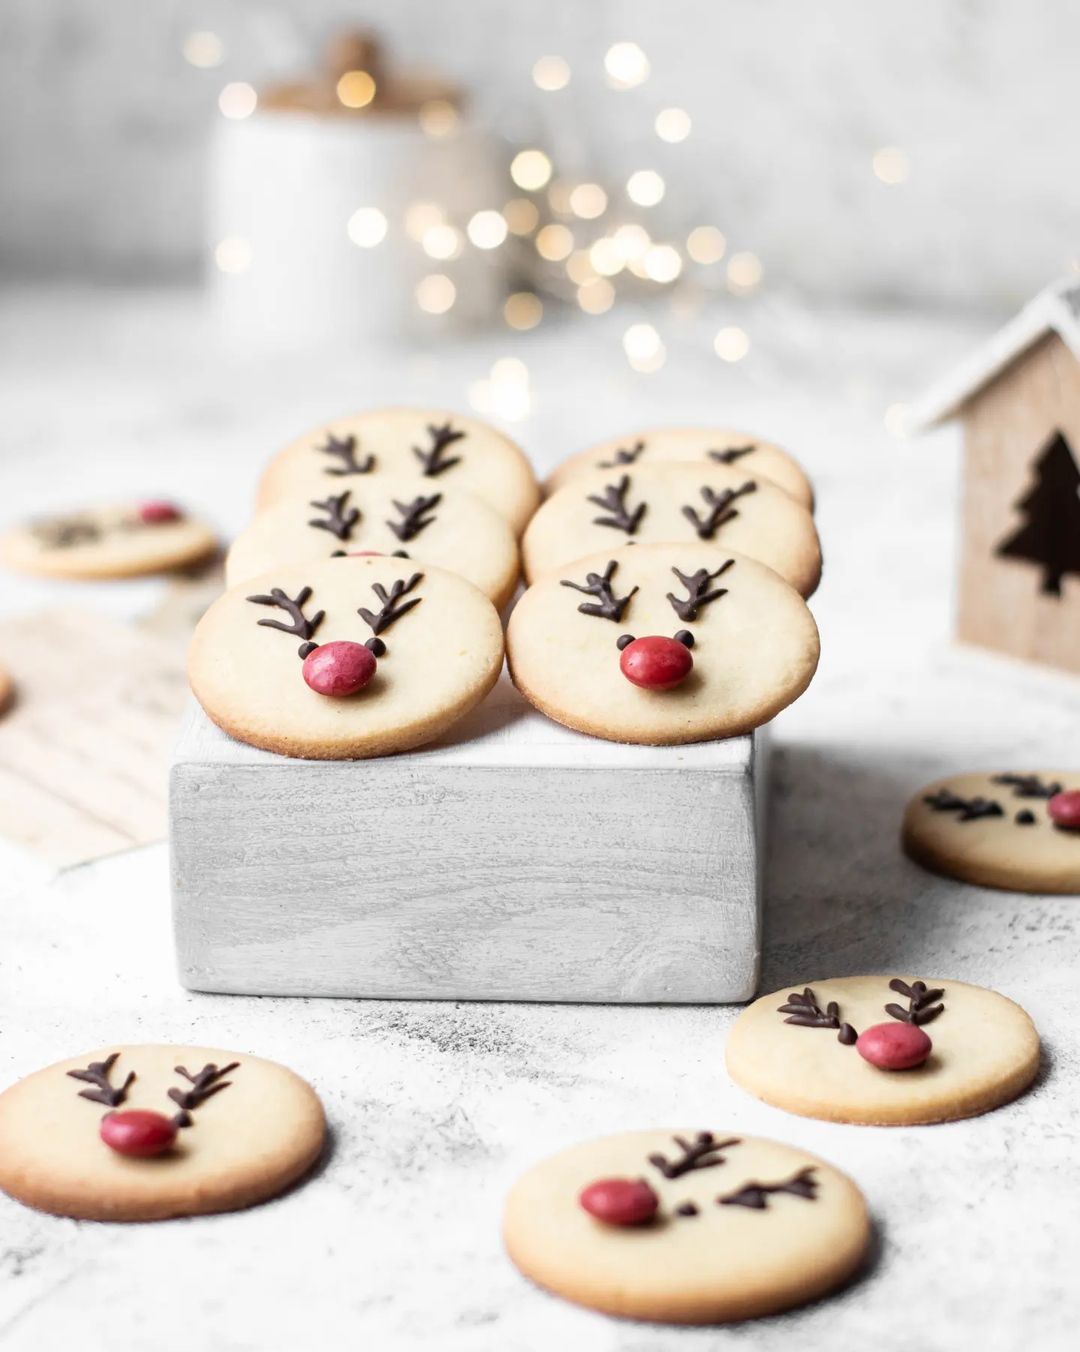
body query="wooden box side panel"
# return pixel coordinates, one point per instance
(466, 884)
(1006, 427)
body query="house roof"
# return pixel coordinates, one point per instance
(1054, 310)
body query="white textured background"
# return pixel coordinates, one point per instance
(103, 125)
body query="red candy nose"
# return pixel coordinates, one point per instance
(620, 1201)
(1064, 809)
(156, 513)
(339, 668)
(894, 1046)
(138, 1133)
(656, 663)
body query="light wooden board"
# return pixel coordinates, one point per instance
(84, 747)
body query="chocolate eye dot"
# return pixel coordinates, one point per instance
(338, 554)
(624, 641)
(685, 637)
(306, 648)
(376, 646)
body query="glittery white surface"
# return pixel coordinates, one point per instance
(395, 1242)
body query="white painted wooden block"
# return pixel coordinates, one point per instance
(512, 860)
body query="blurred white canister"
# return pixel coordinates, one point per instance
(341, 229)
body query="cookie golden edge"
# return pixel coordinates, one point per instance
(975, 1103)
(284, 1167)
(831, 1272)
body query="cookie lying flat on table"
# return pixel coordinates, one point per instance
(660, 644)
(143, 1133)
(344, 658)
(714, 445)
(884, 1051)
(109, 542)
(385, 514)
(686, 1227)
(719, 505)
(447, 449)
(1015, 830)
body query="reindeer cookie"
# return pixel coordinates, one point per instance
(1015, 830)
(344, 658)
(717, 505)
(661, 644)
(143, 1133)
(446, 449)
(108, 542)
(686, 1227)
(884, 1052)
(713, 445)
(383, 514)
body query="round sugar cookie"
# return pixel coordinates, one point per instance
(221, 1130)
(409, 517)
(424, 643)
(806, 1050)
(686, 1227)
(753, 643)
(447, 449)
(720, 505)
(998, 830)
(714, 445)
(121, 540)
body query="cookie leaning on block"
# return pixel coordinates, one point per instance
(122, 540)
(881, 1051)
(686, 1227)
(340, 659)
(136, 1133)
(1014, 830)
(719, 505)
(712, 445)
(408, 517)
(661, 644)
(446, 449)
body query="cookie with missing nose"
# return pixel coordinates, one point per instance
(710, 445)
(661, 644)
(686, 1227)
(884, 1050)
(111, 541)
(339, 659)
(447, 450)
(409, 517)
(147, 1132)
(1014, 829)
(718, 505)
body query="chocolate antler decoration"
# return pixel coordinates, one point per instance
(756, 1195)
(64, 531)
(721, 509)
(391, 611)
(433, 460)
(609, 606)
(339, 519)
(968, 809)
(732, 454)
(209, 1081)
(805, 1012)
(703, 1152)
(623, 456)
(301, 626)
(1029, 786)
(698, 595)
(614, 501)
(413, 520)
(97, 1074)
(345, 451)
(921, 1002)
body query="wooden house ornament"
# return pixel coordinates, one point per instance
(1018, 399)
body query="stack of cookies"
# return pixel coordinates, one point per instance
(666, 575)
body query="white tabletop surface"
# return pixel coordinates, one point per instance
(394, 1243)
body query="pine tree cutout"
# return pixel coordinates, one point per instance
(1051, 535)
